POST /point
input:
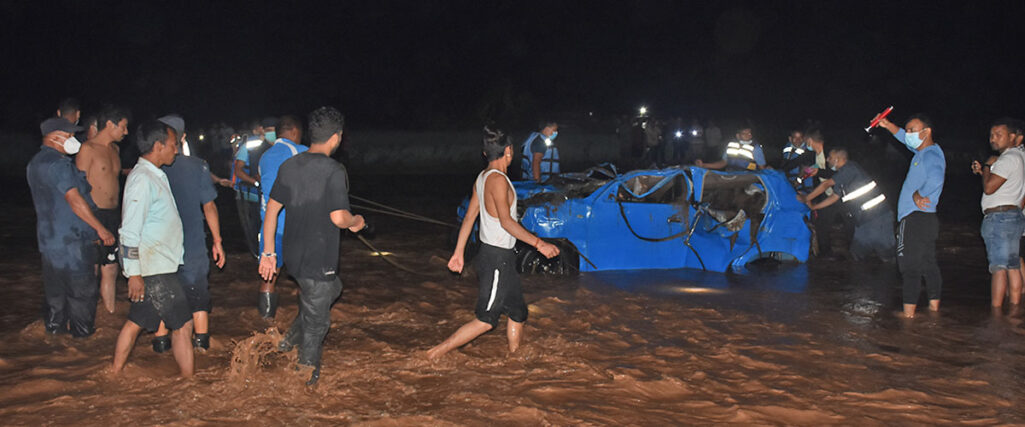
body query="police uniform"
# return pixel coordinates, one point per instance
(539, 143)
(872, 215)
(743, 156)
(189, 179)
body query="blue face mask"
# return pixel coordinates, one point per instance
(554, 134)
(912, 140)
(270, 136)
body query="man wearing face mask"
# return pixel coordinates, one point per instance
(285, 147)
(916, 212)
(1003, 188)
(540, 155)
(100, 159)
(247, 179)
(67, 231)
(741, 154)
(864, 201)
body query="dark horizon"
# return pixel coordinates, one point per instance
(445, 65)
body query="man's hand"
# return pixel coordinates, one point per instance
(921, 202)
(456, 263)
(547, 249)
(360, 223)
(136, 289)
(56, 138)
(106, 236)
(803, 198)
(268, 266)
(224, 182)
(218, 252)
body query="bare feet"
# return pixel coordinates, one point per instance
(909, 309)
(934, 305)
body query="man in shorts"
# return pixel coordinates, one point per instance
(100, 159)
(152, 249)
(194, 195)
(494, 200)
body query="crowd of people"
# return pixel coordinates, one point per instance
(292, 200)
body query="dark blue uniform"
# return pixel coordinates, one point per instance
(67, 244)
(873, 216)
(189, 178)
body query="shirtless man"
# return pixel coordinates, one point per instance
(100, 159)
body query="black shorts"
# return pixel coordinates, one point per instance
(499, 286)
(164, 301)
(193, 277)
(111, 220)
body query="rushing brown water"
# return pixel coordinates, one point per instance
(810, 345)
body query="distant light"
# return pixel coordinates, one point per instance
(696, 290)
(679, 134)
(202, 137)
(694, 132)
(590, 113)
(643, 110)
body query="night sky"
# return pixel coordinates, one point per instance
(447, 65)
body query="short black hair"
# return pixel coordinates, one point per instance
(324, 123)
(67, 106)
(288, 122)
(841, 151)
(814, 134)
(547, 122)
(111, 114)
(926, 120)
(1013, 125)
(89, 121)
(149, 133)
(495, 141)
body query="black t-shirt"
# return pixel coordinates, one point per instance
(311, 186)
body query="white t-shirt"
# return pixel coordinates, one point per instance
(1011, 166)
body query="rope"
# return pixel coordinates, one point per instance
(388, 210)
(401, 215)
(389, 260)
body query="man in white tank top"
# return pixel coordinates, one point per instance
(494, 201)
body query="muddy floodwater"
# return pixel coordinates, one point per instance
(811, 345)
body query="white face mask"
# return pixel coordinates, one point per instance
(72, 145)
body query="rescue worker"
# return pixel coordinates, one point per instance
(247, 179)
(540, 155)
(864, 202)
(792, 161)
(741, 154)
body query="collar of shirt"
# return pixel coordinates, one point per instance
(146, 163)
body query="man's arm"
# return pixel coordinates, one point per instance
(268, 262)
(213, 220)
(81, 208)
(136, 206)
(536, 166)
(817, 191)
(760, 157)
(828, 201)
(84, 158)
(455, 263)
(933, 180)
(242, 175)
(342, 218)
(496, 191)
(713, 165)
(223, 182)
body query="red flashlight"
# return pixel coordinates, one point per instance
(879, 117)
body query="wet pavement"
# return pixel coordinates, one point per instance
(806, 345)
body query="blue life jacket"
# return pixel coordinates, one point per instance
(794, 174)
(741, 156)
(255, 146)
(549, 162)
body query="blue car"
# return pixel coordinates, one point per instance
(679, 217)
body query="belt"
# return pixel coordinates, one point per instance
(1001, 208)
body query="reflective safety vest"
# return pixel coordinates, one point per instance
(741, 156)
(255, 145)
(863, 199)
(795, 174)
(791, 152)
(549, 162)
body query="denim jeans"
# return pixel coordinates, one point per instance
(1002, 231)
(314, 319)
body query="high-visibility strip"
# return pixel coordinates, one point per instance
(740, 152)
(253, 143)
(872, 203)
(860, 192)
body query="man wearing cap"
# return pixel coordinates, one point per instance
(66, 230)
(284, 148)
(153, 249)
(247, 179)
(194, 196)
(101, 161)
